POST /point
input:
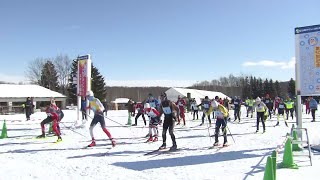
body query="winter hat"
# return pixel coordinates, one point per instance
(258, 99)
(214, 104)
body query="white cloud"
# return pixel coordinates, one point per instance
(269, 63)
(12, 78)
(150, 83)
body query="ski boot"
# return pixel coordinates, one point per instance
(113, 142)
(150, 139)
(257, 130)
(59, 139)
(41, 136)
(178, 123)
(216, 144)
(277, 124)
(201, 124)
(264, 131)
(155, 139)
(133, 125)
(163, 146)
(286, 124)
(225, 144)
(93, 143)
(173, 148)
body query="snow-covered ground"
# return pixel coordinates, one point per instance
(24, 157)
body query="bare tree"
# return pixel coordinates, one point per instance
(33, 72)
(62, 65)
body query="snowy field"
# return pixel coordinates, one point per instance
(24, 157)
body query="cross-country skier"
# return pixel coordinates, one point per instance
(250, 104)
(237, 108)
(261, 108)
(221, 114)
(181, 103)
(152, 101)
(289, 107)
(281, 109)
(96, 106)
(167, 108)
(52, 116)
(206, 106)
(154, 118)
(269, 103)
(140, 110)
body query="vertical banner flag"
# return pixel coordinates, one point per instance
(84, 64)
(308, 59)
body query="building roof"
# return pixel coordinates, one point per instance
(24, 91)
(173, 93)
(120, 101)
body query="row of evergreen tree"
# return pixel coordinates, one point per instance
(256, 87)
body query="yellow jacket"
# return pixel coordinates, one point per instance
(221, 109)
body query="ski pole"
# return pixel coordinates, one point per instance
(228, 130)
(72, 130)
(209, 128)
(107, 118)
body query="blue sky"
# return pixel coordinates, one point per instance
(157, 40)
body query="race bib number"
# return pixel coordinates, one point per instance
(167, 110)
(235, 103)
(281, 106)
(218, 114)
(267, 101)
(152, 104)
(206, 106)
(259, 107)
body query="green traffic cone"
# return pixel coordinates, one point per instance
(4, 130)
(268, 172)
(274, 157)
(288, 156)
(50, 128)
(295, 147)
(129, 119)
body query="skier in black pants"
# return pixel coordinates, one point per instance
(261, 110)
(140, 109)
(237, 108)
(167, 108)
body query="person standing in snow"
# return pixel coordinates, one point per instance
(222, 115)
(167, 108)
(105, 105)
(28, 107)
(154, 119)
(307, 103)
(194, 108)
(140, 110)
(83, 108)
(261, 108)
(96, 106)
(313, 106)
(181, 103)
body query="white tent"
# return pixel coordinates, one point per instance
(173, 94)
